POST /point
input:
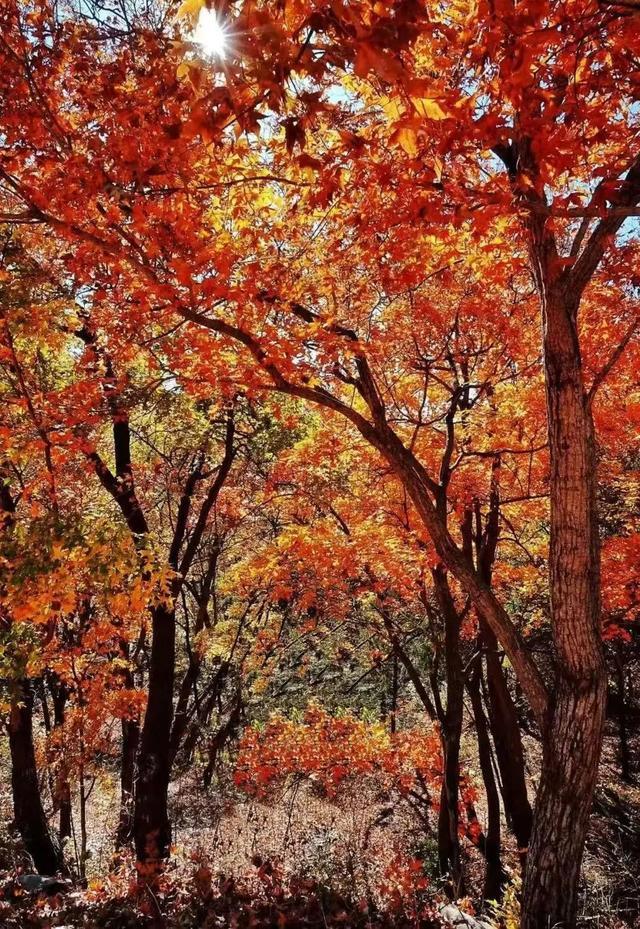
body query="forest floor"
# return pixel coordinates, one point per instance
(301, 860)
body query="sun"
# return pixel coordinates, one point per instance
(210, 34)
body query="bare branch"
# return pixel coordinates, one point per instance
(613, 359)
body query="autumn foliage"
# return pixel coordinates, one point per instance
(329, 751)
(319, 429)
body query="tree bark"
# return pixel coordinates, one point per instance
(573, 735)
(626, 766)
(503, 716)
(507, 740)
(29, 814)
(448, 837)
(130, 740)
(60, 696)
(152, 830)
(494, 875)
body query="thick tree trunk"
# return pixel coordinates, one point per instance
(152, 830)
(29, 814)
(573, 734)
(569, 768)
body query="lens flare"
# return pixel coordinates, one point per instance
(210, 34)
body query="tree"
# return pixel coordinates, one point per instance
(28, 435)
(517, 159)
(343, 557)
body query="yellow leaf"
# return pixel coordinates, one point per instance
(429, 108)
(190, 8)
(407, 139)
(392, 109)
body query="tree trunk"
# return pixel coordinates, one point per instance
(448, 838)
(182, 716)
(507, 740)
(224, 734)
(152, 830)
(29, 814)
(626, 768)
(130, 729)
(569, 769)
(184, 738)
(394, 688)
(573, 734)
(60, 696)
(494, 875)
(65, 810)
(130, 740)
(82, 791)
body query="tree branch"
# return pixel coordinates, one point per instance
(209, 501)
(598, 241)
(613, 359)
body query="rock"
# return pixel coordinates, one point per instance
(34, 884)
(454, 915)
